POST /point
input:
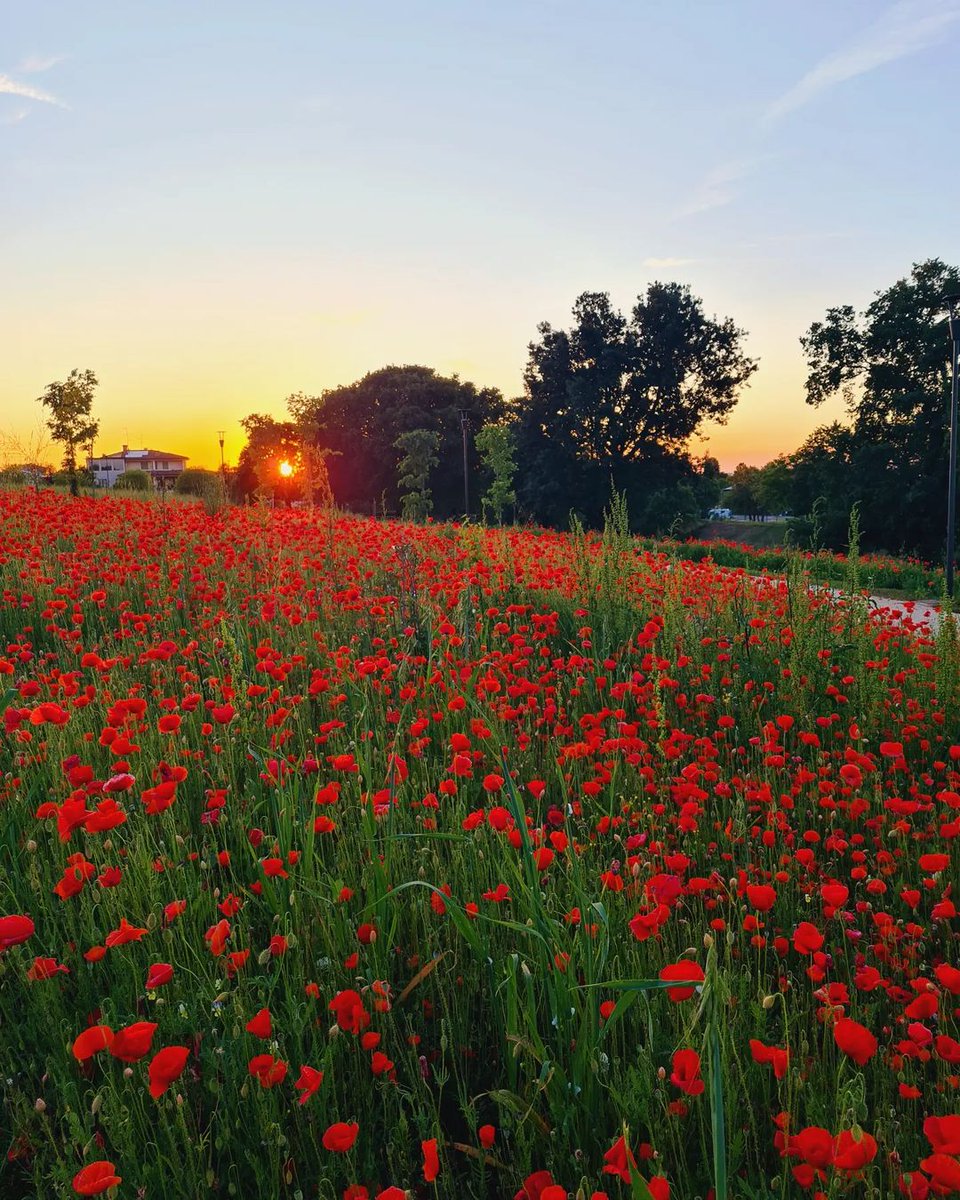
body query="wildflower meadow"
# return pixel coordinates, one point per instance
(352, 859)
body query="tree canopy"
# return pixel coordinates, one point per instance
(891, 364)
(70, 420)
(618, 399)
(358, 426)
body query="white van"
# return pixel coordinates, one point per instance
(719, 514)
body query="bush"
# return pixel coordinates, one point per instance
(133, 481)
(196, 481)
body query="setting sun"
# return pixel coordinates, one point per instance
(286, 470)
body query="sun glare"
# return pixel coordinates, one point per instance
(286, 470)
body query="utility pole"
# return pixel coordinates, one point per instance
(220, 435)
(464, 427)
(953, 305)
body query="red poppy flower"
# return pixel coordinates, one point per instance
(772, 1055)
(944, 1172)
(814, 1145)
(267, 1070)
(761, 896)
(431, 1161)
(95, 1177)
(686, 1072)
(853, 1153)
(534, 1185)
(133, 1043)
(46, 968)
(943, 1134)
(855, 1040)
(308, 1083)
(124, 933)
(350, 1013)
(682, 972)
(14, 930)
(340, 1137)
(487, 1135)
(158, 975)
(260, 1025)
(166, 1067)
(92, 1041)
(807, 939)
(619, 1160)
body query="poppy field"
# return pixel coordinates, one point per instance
(353, 859)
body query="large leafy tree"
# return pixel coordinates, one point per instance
(269, 443)
(358, 425)
(618, 399)
(891, 364)
(70, 420)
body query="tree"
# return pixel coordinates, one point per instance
(70, 405)
(496, 446)
(891, 364)
(358, 425)
(419, 447)
(775, 485)
(269, 444)
(304, 411)
(620, 398)
(744, 495)
(673, 510)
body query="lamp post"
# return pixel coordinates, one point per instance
(464, 426)
(953, 305)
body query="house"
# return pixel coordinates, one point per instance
(162, 467)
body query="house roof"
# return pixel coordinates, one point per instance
(143, 454)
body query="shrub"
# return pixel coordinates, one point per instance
(196, 481)
(133, 481)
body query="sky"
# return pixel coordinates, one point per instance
(213, 206)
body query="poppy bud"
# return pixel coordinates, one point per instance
(39, 1105)
(96, 1105)
(707, 941)
(768, 1002)
(32, 846)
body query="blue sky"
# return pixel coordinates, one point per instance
(216, 205)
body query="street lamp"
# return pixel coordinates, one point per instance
(953, 305)
(464, 427)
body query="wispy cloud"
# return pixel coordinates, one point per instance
(905, 28)
(35, 63)
(662, 264)
(11, 87)
(15, 117)
(717, 187)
